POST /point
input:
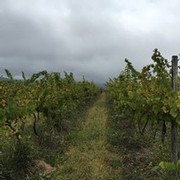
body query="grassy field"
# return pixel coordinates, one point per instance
(89, 156)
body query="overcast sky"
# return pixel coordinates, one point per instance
(86, 37)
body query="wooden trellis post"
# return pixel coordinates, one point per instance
(174, 150)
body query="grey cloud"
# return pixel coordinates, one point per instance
(21, 37)
(90, 38)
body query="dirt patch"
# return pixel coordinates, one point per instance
(40, 166)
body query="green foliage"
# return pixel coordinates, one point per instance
(43, 176)
(145, 96)
(15, 159)
(170, 166)
(47, 93)
(46, 99)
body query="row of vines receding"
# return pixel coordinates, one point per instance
(146, 99)
(37, 109)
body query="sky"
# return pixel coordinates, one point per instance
(90, 38)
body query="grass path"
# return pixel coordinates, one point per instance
(89, 156)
